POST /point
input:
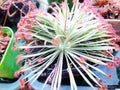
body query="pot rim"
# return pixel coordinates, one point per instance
(117, 20)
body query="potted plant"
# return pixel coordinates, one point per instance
(10, 12)
(65, 39)
(7, 55)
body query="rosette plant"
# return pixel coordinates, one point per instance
(66, 38)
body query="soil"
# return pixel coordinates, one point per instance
(65, 77)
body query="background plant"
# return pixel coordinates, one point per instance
(11, 11)
(14, 9)
(78, 38)
(109, 9)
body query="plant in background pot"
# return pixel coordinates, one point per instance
(110, 10)
(10, 13)
(66, 39)
(12, 10)
(7, 55)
